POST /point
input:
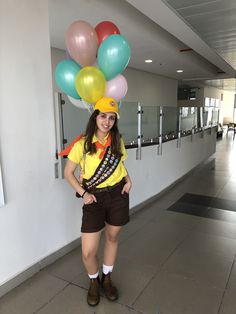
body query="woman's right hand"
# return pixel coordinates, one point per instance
(89, 198)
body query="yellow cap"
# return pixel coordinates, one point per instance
(107, 104)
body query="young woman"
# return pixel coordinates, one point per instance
(104, 189)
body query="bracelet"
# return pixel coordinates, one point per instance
(83, 194)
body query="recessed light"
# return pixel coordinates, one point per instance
(179, 71)
(148, 61)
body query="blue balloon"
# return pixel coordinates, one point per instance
(113, 55)
(65, 74)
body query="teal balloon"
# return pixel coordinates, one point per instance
(113, 55)
(65, 73)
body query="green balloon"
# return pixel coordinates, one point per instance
(113, 55)
(65, 74)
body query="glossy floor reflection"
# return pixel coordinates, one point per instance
(206, 206)
(176, 261)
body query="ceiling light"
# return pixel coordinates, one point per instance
(148, 61)
(179, 71)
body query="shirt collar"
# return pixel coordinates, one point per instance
(95, 139)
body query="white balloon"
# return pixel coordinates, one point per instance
(80, 103)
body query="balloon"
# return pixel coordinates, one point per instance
(65, 74)
(117, 87)
(113, 55)
(95, 64)
(80, 103)
(90, 84)
(77, 102)
(82, 42)
(104, 29)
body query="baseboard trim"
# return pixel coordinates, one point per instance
(32, 270)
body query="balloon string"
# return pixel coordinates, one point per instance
(87, 106)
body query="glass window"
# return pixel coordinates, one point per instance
(188, 120)
(207, 102)
(215, 116)
(170, 120)
(150, 123)
(128, 123)
(74, 120)
(207, 116)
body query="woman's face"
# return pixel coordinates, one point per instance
(105, 121)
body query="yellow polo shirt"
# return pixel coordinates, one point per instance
(92, 162)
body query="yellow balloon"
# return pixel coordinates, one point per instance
(90, 83)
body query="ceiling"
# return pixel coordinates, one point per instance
(196, 36)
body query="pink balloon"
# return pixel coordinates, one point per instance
(82, 43)
(117, 87)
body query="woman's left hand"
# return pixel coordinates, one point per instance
(126, 187)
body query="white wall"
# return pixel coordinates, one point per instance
(37, 219)
(212, 92)
(41, 214)
(150, 89)
(227, 107)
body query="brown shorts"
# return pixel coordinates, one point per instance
(111, 207)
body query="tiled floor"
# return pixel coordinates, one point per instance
(169, 262)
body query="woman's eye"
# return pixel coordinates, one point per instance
(112, 118)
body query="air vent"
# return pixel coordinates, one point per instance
(186, 50)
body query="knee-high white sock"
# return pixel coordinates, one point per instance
(93, 276)
(107, 269)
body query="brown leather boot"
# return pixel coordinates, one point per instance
(109, 289)
(93, 296)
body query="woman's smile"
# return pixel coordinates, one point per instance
(105, 121)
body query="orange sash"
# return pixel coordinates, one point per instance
(103, 147)
(68, 148)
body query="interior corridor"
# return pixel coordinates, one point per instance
(176, 256)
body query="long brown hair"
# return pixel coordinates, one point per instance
(91, 129)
